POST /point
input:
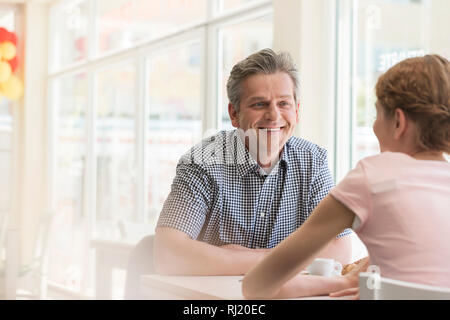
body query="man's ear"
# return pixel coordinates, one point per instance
(297, 112)
(234, 115)
(400, 122)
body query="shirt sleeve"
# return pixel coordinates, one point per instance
(321, 185)
(354, 192)
(189, 200)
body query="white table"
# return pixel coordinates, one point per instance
(109, 255)
(157, 287)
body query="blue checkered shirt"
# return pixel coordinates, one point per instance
(220, 196)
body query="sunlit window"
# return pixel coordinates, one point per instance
(70, 34)
(124, 23)
(7, 131)
(175, 113)
(226, 5)
(115, 148)
(70, 226)
(378, 42)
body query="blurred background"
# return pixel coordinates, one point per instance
(115, 91)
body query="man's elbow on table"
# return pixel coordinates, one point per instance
(162, 260)
(159, 263)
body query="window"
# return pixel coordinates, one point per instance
(133, 85)
(71, 223)
(237, 41)
(124, 23)
(69, 25)
(8, 21)
(373, 36)
(175, 116)
(115, 147)
(6, 131)
(227, 5)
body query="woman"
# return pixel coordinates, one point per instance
(397, 202)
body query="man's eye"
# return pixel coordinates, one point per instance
(259, 104)
(284, 103)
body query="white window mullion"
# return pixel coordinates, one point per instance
(344, 98)
(93, 29)
(90, 174)
(211, 73)
(51, 144)
(141, 140)
(90, 170)
(209, 44)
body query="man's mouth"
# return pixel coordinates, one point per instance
(271, 129)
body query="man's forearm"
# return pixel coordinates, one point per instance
(179, 255)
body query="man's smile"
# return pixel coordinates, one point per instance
(271, 129)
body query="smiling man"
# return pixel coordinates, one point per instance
(239, 193)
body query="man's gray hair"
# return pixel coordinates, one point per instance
(265, 61)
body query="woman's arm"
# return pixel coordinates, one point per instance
(266, 280)
(309, 286)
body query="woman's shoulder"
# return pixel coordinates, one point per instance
(393, 165)
(384, 160)
(393, 159)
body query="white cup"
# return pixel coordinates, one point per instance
(325, 267)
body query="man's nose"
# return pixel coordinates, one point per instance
(272, 112)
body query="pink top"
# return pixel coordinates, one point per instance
(403, 206)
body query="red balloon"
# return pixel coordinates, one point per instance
(13, 63)
(5, 35)
(13, 38)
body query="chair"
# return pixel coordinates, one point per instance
(35, 270)
(374, 287)
(140, 262)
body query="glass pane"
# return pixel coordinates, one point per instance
(381, 42)
(70, 234)
(175, 117)
(239, 41)
(115, 149)
(69, 31)
(122, 23)
(6, 127)
(7, 21)
(226, 5)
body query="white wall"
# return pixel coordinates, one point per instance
(30, 142)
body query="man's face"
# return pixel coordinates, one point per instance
(268, 108)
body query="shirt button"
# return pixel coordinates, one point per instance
(262, 214)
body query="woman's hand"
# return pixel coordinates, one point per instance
(353, 276)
